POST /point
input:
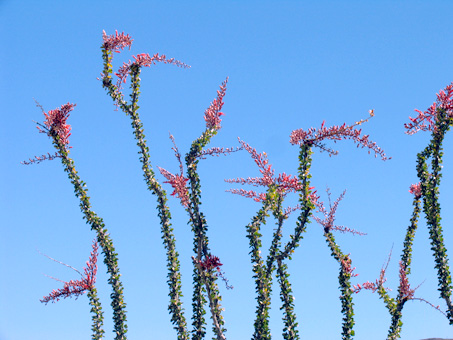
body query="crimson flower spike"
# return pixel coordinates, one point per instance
(145, 60)
(212, 114)
(77, 287)
(211, 262)
(116, 42)
(284, 183)
(54, 124)
(336, 133)
(416, 190)
(425, 121)
(178, 182)
(374, 286)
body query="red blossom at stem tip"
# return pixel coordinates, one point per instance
(54, 125)
(425, 120)
(178, 183)
(374, 286)
(116, 42)
(211, 262)
(416, 190)
(77, 287)
(144, 60)
(212, 114)
(55, 122)
(336, 133)
(284, 183)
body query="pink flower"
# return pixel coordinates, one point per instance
(144, 60)
(283, 182)
(405, 288)
(336, 133)
(212, 114)
(116, 42)
(178, 183)
(55, 122)
(374, 286)
(77, 287)
(257, 197)
(425, 120)
(346, 264)
(328, 223)
(416, 190)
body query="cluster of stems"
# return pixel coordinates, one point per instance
(205, 287)
(206, 296)
(102, 236)
(426, 193)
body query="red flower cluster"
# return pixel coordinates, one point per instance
(211, 262)
(425, 120)
(144, 60)
(56, 122)
(212, 114)
(416, 190)
(77, 287)
(336, 133)
(374, 286)
(284, 183)
(405, 288)
(116, 42)
(346, 264)
(178, 183)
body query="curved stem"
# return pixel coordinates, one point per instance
(430, 192)
(106, 243)
(173, 264)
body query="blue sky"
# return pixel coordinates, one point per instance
(291, 64)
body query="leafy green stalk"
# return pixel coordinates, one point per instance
(98, 316)
(173, 265)
(263, 287)
(307, 205)
(290, 331)
(103, 238)
(201, 247)
(344, 279)
(429, 182)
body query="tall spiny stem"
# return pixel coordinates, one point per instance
(173, 264)
(103, 238)
(430, 192)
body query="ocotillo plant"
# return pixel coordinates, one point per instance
(277, 188)
(55, 126)
(186, 186)
(437, 118)
(75, 288)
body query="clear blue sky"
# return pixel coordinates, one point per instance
(292, 64)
